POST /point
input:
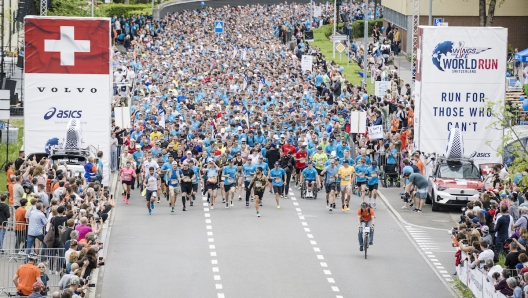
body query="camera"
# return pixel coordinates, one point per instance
(405, 197)
(509, 240)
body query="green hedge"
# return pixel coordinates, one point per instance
(526, 89)
(111, 10)
(359, 26)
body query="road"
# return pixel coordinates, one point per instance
(300, 250)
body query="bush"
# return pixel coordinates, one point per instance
(126, 9)
(359, 26)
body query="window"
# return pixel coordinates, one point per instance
(395, 17)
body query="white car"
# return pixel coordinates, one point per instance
(75, 163)
(454, 182)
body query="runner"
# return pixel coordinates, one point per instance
(239, 163)
(152, 184)
(196, 180)
(277, 176)
(373, 172)
(332, 186)
(164, 170)
(301, 158)
(346, 174)
(127, 174)
(320, 159)
(229, 174)
(187, 177)
(249, 171)
(211, 184)
(361, 177)
(173, 180)
(259, 182)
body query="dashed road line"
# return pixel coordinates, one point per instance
(212, 249)
(316, 249)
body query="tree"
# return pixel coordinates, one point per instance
(486, 19)
(511, 146)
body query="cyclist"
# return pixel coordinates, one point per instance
(331, 185)
(361, 177)
(372, 183)
(152, 184)
(421, 193)
(127, 174)
(346, 174)
(310, 178)
(278, 176)
(259, 182)
(173, 180)
(229, 173)
(249, 171)
(366, 218)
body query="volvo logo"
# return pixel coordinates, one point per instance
(462, 191)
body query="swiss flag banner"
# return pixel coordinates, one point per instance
(67, 45)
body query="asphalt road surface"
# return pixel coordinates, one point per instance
(301, 250)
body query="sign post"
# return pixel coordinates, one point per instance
(219, 27)
(438, 21)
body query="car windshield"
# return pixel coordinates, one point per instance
(458, 171)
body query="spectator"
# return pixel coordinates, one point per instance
(44, 278)
(26, 276)
(503, 227)
(37, 220)
(83, 228)
(37, 289)
(512, 258)
(4, 216)
(486, 235)
(491, 268)
(481, 257)
(501, 284)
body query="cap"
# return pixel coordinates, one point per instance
(230, 160)
(519, 266)
(277, 163)
(345, 161)
(319, 148)
(174, 163)
(74, 280)
(374, 163)
(485, 229)
(276, 137)
(364, 204)
(37, 286)
(189, 152)
(406, 174)
(239, 128)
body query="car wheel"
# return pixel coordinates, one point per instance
(435, 206)
(428, 199)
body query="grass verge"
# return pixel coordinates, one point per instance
(464, 290)
(12, 155)
(326, 47)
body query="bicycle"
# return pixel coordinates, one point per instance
(366, 239)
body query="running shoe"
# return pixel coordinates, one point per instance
(419, 211)
(123, 192)
(343, 209)
(212, 207)
(371, 243)
(278, 206)
(152, 205)
(361, 248)
(144, 192)
(192, 203)
(347, 208)
(374, 205)
(124, 197)
(251, 198)
(231, 203)
(330, 209)
(270, 192)
(223, 200)
(126, 201)
(247, 204)
(359, 194)
(415, 211)
(158, 201)
(172, 210)
(404, 207)
(239, 198)
(260, 204)
(208, 201)
(184, 209)
(227, 206)
(258, 214)
(150, 212)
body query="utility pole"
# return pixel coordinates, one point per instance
(335, 26)
(430, 12)
(93, 7)
(365, 32)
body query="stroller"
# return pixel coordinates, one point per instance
(389, 175)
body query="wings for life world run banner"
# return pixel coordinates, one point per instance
(67, 76)
(459, 69)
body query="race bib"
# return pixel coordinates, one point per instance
(373, 175)
(302, 160)
(127, 177)
(174, 181)
(258, 184)
(187, 179)
(331, 179)
(230, 180)
(212, 179)
(346, 177)
(278, 179)
(361, 174)
(320, 162)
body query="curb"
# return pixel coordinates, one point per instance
(399, 220)
(98, 273)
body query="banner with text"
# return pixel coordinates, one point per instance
(68, 86)
(460, 71)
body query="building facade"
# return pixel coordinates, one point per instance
(512, 14)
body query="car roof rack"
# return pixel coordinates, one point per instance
(462, 159)
(59, 151)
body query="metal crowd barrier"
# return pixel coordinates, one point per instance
(12, 259)
(16, 235)
(477, 281)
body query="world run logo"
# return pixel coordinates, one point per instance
(447, 57)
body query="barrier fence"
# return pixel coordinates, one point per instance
(477, 281)
(12, 259)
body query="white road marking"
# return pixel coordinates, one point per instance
(210, 239)
(207, 215)
(218, 286)
(207, 221)
(205, 204)
(327, 272)
(307, 229)
(316, 249)
(216, 277)
(320, 257)
(212, 246)
(304, 223)
(335, 289)
(298, 209)
(206, 209)
(221, 295)
(215, 269)
(214, 262)
(295, 204)
(209, 227)
(313, 242)
(331, 280)
(323, 264)
(310, 236)
(209, 233)
(301, 217)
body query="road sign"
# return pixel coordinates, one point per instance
(219, 27)
(340, 47)
(338, 37)
(438, 21)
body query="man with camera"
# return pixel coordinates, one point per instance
(480, 259)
